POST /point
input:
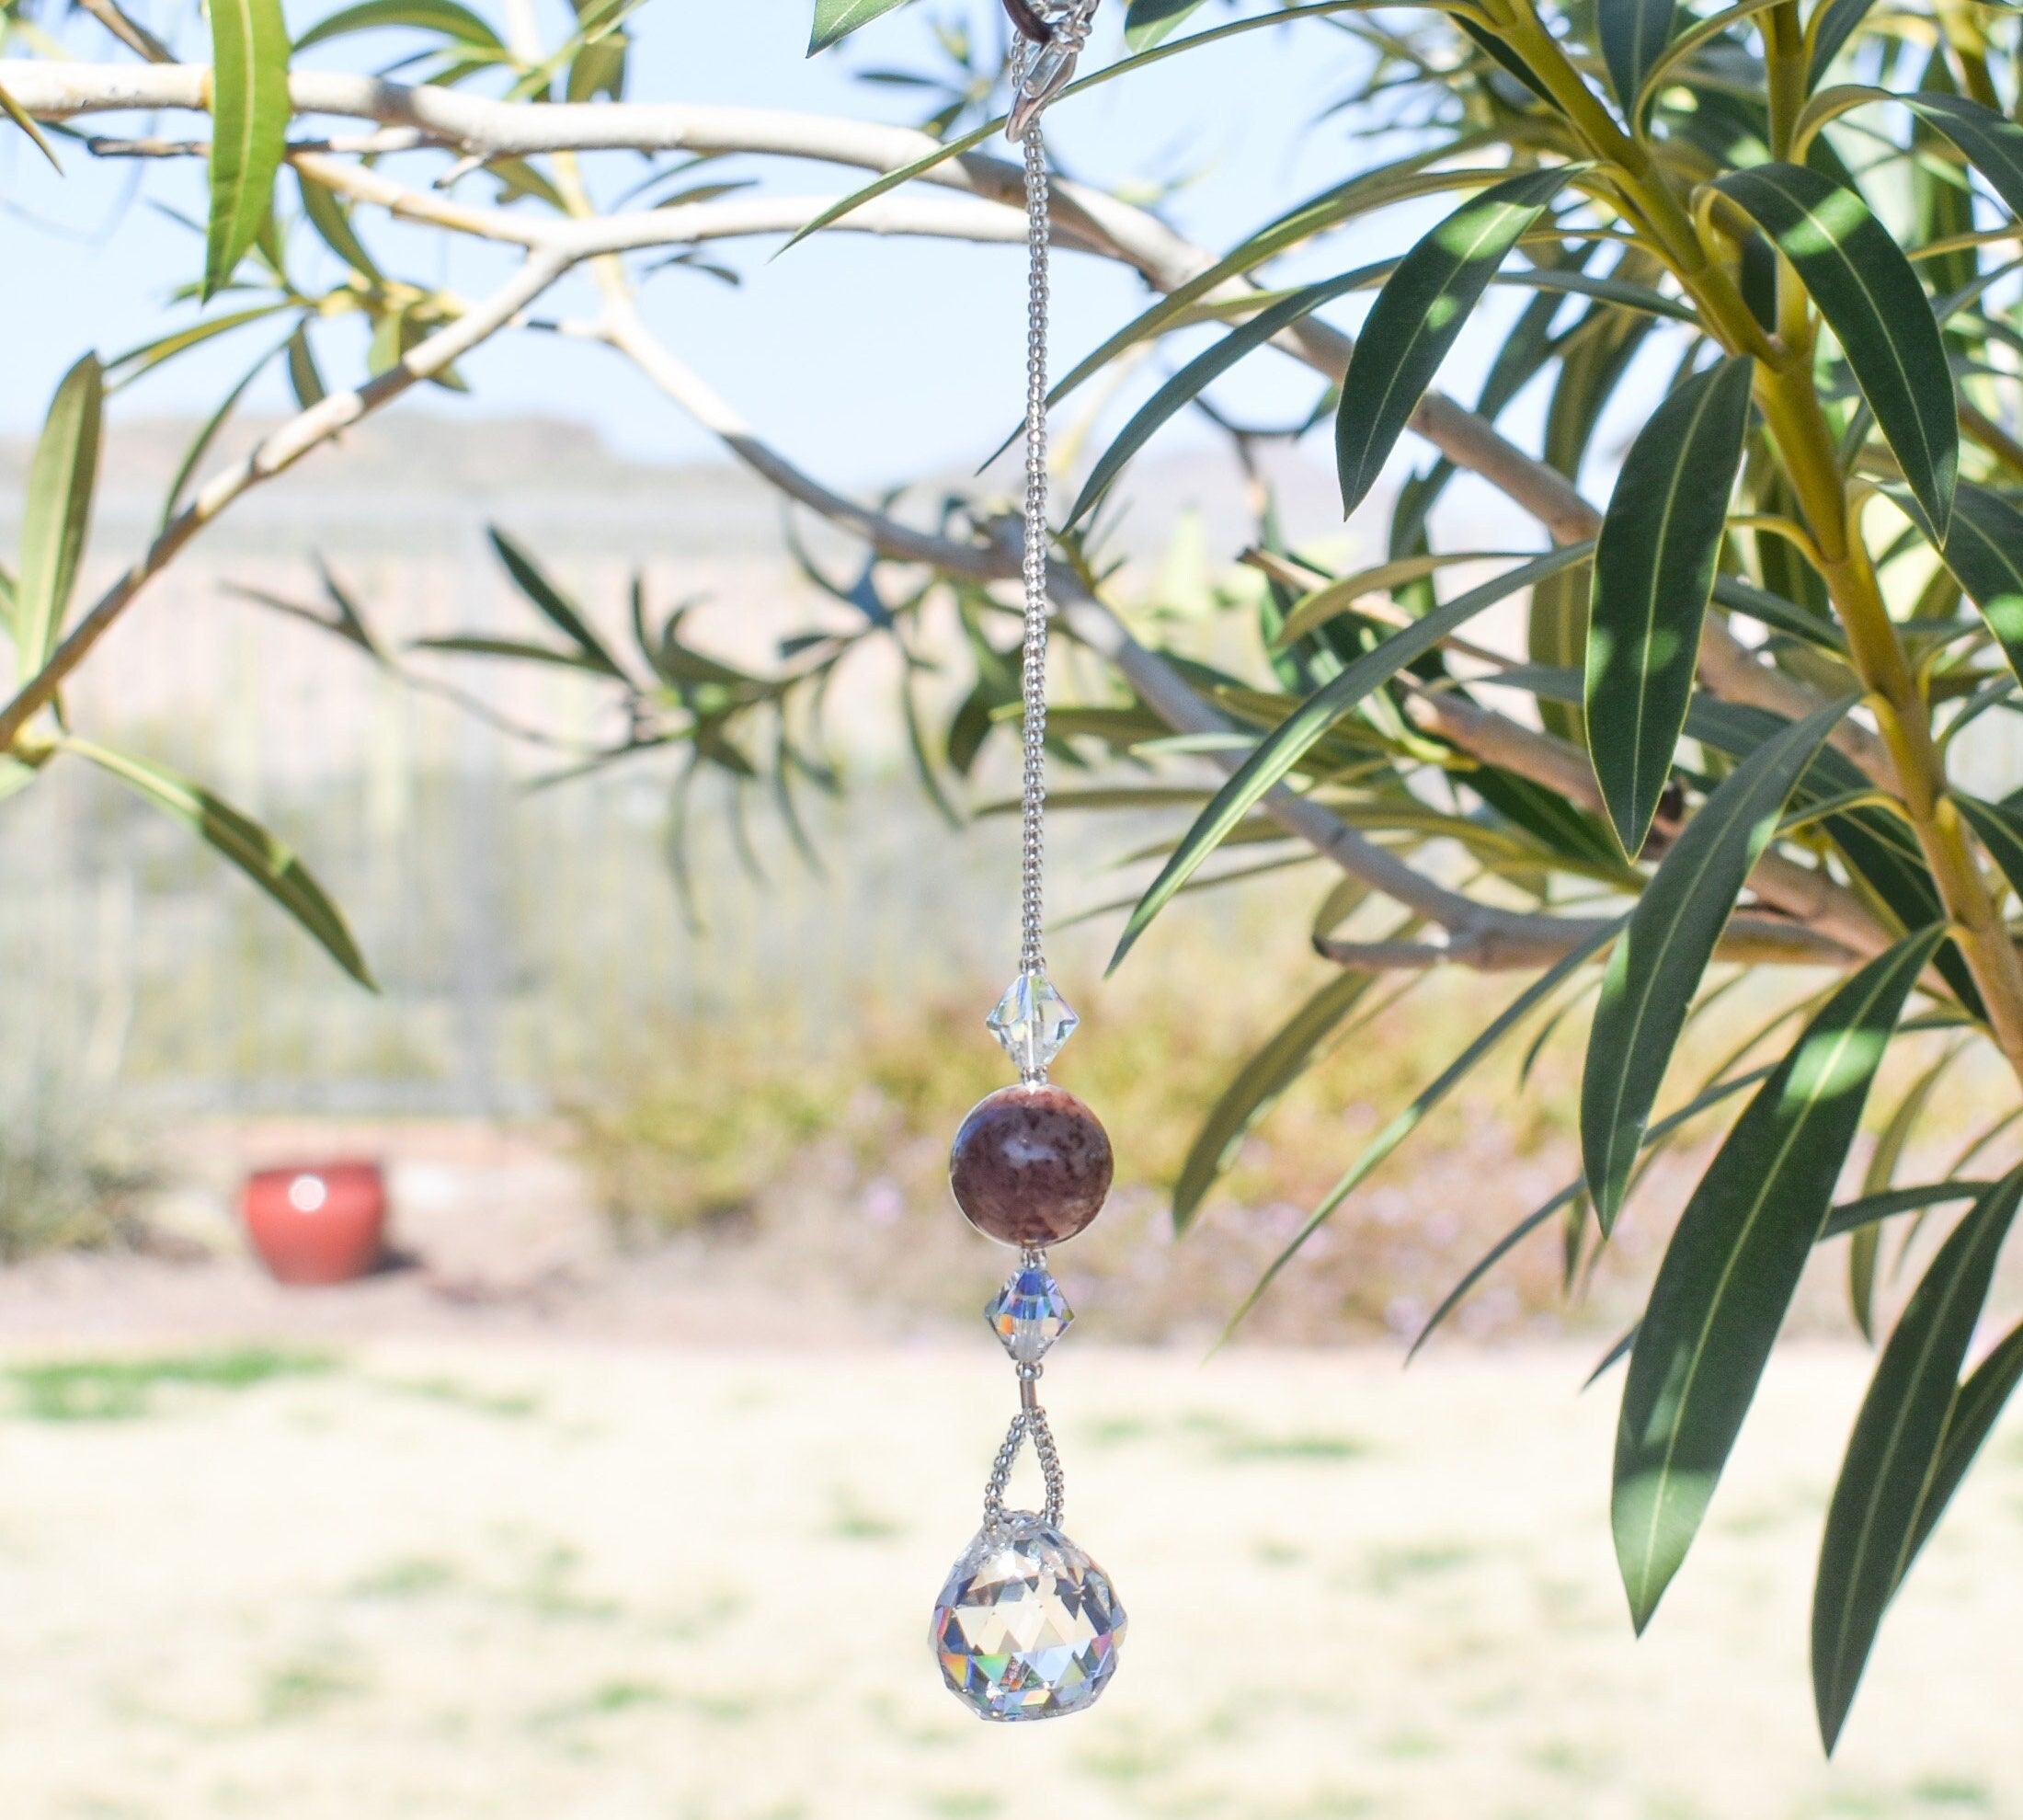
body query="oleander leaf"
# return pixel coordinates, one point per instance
(1258, 1087)
(56, 514)
(20, 116)
(1833, 23)
(1656, 967)
(250, 111)
(1148, 21)
(1282, 749)
(453, 22)
(1980, 1401)
(1634, 34)
(554, 606)
(836, 19)
(2000, 829)
(1417, 317)
(1733, 1265)
(1879, 311)
(1893, 1460)
(1654, 566)
(1984, 550)
(272, 864)
(1203, 370)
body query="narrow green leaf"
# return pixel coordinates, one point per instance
(250, 111)
(149, 355)
(1634, 34)
(1732, 1266)
(1864, 1251)
(836, 19)
(2000, 829)
(1505, 57)
(1656, 969)
(968, 142)
(453, 22)
(1879, 311)
(1417, 315)
(1852, 1216)
(1202, 371)
(1833, 23)
(553, 605)
(1984, 550)
(332, 221)
(304, 377)
(1654, 566)
(56, 515)
(200, 444)
(1993, 146)
(25, 121)
(1566, 1197)
(1258, 1087)
(1148, 21)
(516, 649)
(1975, 1410)
(268, 862)
(1872, 1525)
(1281, 749)
(1407, 1121)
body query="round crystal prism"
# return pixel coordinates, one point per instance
(1033, 1022)
(1027, 1627)
(1029, 1313)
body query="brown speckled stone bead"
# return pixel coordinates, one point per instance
(1031, 1165)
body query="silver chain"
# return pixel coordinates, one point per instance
(1033, 864)
(1027, 1425)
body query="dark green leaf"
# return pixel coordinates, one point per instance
(1202, 371)
(1281, 749)
(1257, 1088)
(1993, 146)
(1732, 1266)
(1852, 1216)
(1879, 311)
(1872, 1527)
(303, 378)
(1505, 57)
(837, 19)
(1833, 23)
(332, 221)
(2000, 829)
(553, 605)
(1654, 566)
(250, 111)
(1148, 21)
(1656, 969)
(56, 515)
(1634, 34)
(1418, 315)
(270, 864)
(1984, 550)
(1974, 1416)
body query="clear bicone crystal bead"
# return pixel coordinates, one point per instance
(1027, 1627)
(1029, 1313)
(1033, 1022)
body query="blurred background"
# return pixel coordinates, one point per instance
(622, 1485)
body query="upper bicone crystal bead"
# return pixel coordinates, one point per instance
(1029, 1313)
(1033, 1022)
(1027, 1626)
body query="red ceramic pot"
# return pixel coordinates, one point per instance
(320, 1223)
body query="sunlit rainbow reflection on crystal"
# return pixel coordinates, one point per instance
(1027, 1627)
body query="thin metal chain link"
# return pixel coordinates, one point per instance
(1027, 1425)
(1032, 863)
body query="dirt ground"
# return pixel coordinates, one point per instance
(566, 1581)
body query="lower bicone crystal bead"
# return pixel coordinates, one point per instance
(1027, 1627)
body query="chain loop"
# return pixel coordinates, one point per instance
(1027, 1425)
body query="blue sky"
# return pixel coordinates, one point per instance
(869, 359)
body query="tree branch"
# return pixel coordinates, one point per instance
(278, 451)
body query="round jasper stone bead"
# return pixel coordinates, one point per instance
(1031, 1165)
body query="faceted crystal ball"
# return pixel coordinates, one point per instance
(1027, 1627)
(1031, 1165)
